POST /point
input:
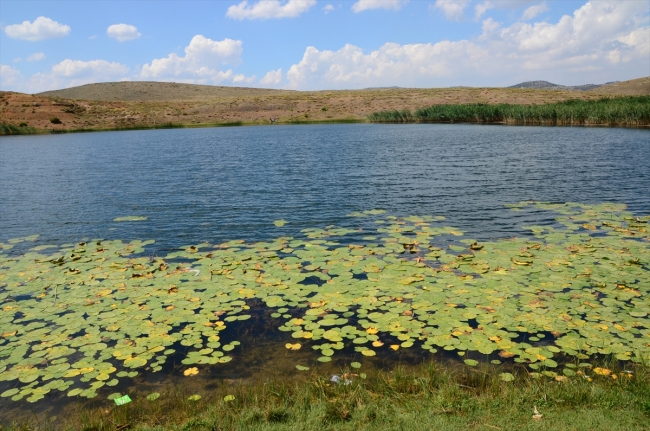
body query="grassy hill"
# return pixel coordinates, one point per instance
(144, 91)
(129, 105)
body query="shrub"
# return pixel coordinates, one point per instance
(55, 120)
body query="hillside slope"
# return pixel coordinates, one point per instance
(633, 87)
(124, 105)
(145, 91)
(545, 85)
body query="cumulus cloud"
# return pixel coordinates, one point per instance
(452, 9)
(243, 79)
(268, 9)
(37, 56)
(272, 78)
(42, 28)
(608, 39)
(88, 69)
(483, 7)
(391, 64)
(201, 63)
(122, 32)
(534, 10)
(10, 78)
(68, 73)
(328, 8)
(362, 5)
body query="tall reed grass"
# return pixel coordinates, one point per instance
(621, 111)
(11, 129)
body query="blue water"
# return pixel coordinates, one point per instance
(217, 184)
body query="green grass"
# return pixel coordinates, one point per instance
(432, 398)
(11, 129)
(621, 111)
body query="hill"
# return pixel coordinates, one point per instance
(545, 85)
(124, 105)
(145, 91)
(633, 87)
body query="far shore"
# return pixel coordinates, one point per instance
(94, 107)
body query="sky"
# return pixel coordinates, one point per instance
(322, 45)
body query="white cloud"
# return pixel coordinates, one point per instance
(481, 8)
(243, 79)
(362, 5)
(328, 8)
(452, 9)
(272, 78)
(391, 64)
(42, 28)
(10, 78)
(84, 69)
(68, 73)
(534, 10)
(37, 56)
(602, 41)
(201, 63)
(267, 9)
(122, 32)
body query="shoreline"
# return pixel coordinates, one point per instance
(315, 122)
(429, 396)
(154, 108)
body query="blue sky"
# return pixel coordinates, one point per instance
(313, 44)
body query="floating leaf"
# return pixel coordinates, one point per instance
(130, 218)
(506, 377)
(193, 371)
(295, 346)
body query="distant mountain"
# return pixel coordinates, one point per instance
(545, 85)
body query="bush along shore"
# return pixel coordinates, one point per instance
(633, 111)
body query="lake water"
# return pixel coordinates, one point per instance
(219, 184)
(214, 185)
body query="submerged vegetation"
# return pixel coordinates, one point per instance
(622, 111)
(80, 318)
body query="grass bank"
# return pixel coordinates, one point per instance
(632, 111)
(11, 129)
(435, 397)
(8, 129)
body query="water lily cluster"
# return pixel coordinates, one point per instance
(76, 318)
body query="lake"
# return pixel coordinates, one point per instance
(392, 243)
(218, 184)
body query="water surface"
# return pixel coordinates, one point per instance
(217, 184)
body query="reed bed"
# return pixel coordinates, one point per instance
(633, 111)
(11, 129)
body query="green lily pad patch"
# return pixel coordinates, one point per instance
(83, 318)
